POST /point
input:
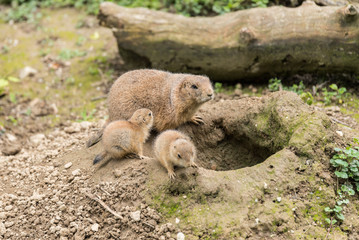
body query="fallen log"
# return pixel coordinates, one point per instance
(243, 45)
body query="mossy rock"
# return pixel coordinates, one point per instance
(264, 171)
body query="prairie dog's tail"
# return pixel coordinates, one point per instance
(97, 137)
(94, 139)
(99, 158)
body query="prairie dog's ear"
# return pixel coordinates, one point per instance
(186, 83)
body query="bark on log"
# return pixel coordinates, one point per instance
(248, 44)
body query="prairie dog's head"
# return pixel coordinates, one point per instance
(142, 117)
(197, 88)
(183, 152)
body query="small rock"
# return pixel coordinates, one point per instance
(9, 224)
(162, 237)
(265, 186)
(68, 165)
(76, 172)
(2, 229)
(180, 236)
(177, 220)
(27, 72)
(10, 150)
(37, 138)
(8, 208)
(94, 227)
(64, 232)
(85, 125)
(136, 216)
(340, 133)
(2, 215)
(62, 207)
(11, 137)
(39, 107)
(279, 199)
(117, 173)
(72, 129)
(36, 196)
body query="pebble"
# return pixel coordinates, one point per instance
(94, 227)
(72, 129)
(8, 224)
(36, 196)
(68, 165)
(11, 137)
(8, 208)
(64, 232)
(2, 215)
(340, 133)
(85, 125)
(180, 236)
(177, 220)
(76, 172)
(279, 199)
(27, 72)
(37, 138)
(136, 216)
(2, 229)
(11, 150)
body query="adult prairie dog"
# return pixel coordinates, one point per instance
(173, 148)
(173, 98)
(121, 138)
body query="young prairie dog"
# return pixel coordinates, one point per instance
(173, 148)
(121, 138)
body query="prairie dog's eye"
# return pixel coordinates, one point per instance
(179, 155)
(194, 86)
(149, 114)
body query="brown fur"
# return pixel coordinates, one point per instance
(173, 148)
(121, 138)
(171, 97)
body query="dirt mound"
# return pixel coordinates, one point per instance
(263, 174)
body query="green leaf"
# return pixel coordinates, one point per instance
(351, 192)
(345, 201)
(342, 90)
(341, 174)
(12, 97)
(3, 83)
(328, 209)
(337, 209)
(334, 221)
(334, 86)
(337, 149)
(340, 216)
(353, 169)
(13, 79)
(348, 189)
(327, 220)
(341, 163)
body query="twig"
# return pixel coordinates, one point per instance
(103, 205)
(338, 121)
(307, 229)
(98, 98)
(329, 229)
(149, 225)
(103, 77)
(321, 85)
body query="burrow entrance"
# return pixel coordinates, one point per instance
(232, 153)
